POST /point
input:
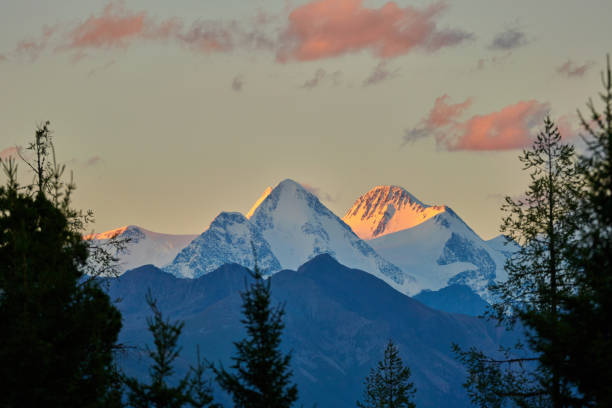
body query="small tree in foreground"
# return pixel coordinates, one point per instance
(388, 385)
(261, 376)
(192, 390)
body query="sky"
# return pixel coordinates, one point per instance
(171, 112)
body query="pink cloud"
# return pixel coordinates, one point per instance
(328, 28)
(113, 28)
(318, 29)
(512, 127)
(35, 47)
(571, 70)
(3, 58)
(117, 27)
(444, 113)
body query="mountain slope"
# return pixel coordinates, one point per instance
(298, 227)
(144, 246)
(431, 242)
(230, 238)
(387, 209)
(443, 251)
(337, 323)
(454, 299)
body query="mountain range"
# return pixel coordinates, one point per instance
(388, 232)
(345, 283)
(337, 321)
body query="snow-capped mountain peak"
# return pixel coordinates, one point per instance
(144, 246)
(387, 209)
(230, 238)
(299, 227)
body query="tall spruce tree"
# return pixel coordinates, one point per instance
(585, 334)
(192, 390)
(261, 376)
(543, 222)
(58, 328)
(388, 385)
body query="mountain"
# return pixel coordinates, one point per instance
(144, 246)
(230, 238)
(503, 244)
(430, 242)
(454, 299)
(298, 228)
(337, 321)
(387, 209)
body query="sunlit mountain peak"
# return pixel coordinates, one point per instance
(387, 209)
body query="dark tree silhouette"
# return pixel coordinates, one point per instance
(191, 390)
(584, 342)
(543, 223)
(261, 376)
(58, 328)
(388, 385)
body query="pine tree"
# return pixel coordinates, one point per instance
(191, 390)
(261, 376)
(389, 384)
(586, 333)
(58, 329)
(372, 389)
(543, 223)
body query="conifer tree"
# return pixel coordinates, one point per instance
(261, 376)
(543, 222)
(58, 329)
(191, 390)
(585, 334)
(388, 385)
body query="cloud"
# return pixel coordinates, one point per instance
(315, 30)
(13, 151)
(512, 127)
(208, 36)
(314, 81)
(3, 58)
(571, 69)
(115, 27)
(507, 40)
(317, 192)
(237, 83)
(441, 115)
(321, 76)
(494, 60)
(444, 113)
(329, 28)
(380, 73)
(33, 48)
